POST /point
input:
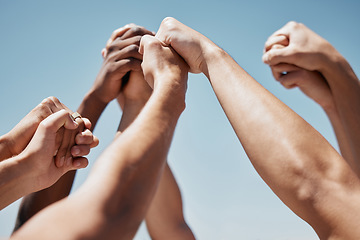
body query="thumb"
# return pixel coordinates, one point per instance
(57, 120)
(278, 55)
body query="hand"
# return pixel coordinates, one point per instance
(162, 65)
(311, 83)
(19, 137)
(134, 87)
(38, 156)
(188, 43)
(121, 56)
(304, 48)
(135, 90)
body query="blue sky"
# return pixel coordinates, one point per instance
(53, 48)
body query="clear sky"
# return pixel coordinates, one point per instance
(53, 48)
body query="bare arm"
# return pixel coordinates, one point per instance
(84, 140)
(106, 87)
(165, 219)
(34, 168)
(298, 164)
(116, 196)
(309, 51)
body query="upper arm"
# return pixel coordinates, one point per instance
(327, 196)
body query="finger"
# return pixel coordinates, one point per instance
(85, 137)
(129, 51)
(71, 141)
(95, 142)
(132, 31)
(117, 33)
(278, 40)
(64, 156)
(79, 162)
(87, 123)
(291, 79)
(285, 30)
(136, 31)
(167, 25)
(129, 64)
(276, 56)
(80, 150)
(58, 139)
(282, 69)
(145, 41)
(103, 52)
(56, 120)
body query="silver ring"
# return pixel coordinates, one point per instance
(75, 115)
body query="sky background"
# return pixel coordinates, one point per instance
(52, 48)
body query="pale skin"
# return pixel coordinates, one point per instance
(67, 155)
(116, 196)
(303, 169)
(324, 75)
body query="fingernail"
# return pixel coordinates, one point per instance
(77, 164)
(76, 151)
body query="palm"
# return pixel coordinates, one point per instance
(135, 89)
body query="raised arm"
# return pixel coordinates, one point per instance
(165, 218)
(120, 59)
(115, 198)
(35, 168)
(73, 144)
(296, 45)
(298, 164)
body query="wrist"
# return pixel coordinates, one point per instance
(212, 53)
(15, 180)
(171, 94)
(95, 97)
(91, 107)
(330, 58)
(6, 147)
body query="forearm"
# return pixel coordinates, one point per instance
(291, 156)
(164, 218)
(124, 178)
(91, 107)
(342, 138)
(14, 181)
(35, 202)
(345, 87)
(5, 151)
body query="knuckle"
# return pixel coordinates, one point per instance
(47, 101)
(133, 48)
(112, 47)
(168, 21)
(291, 23)
(137, 39)
(136, 30)
(45, 125)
